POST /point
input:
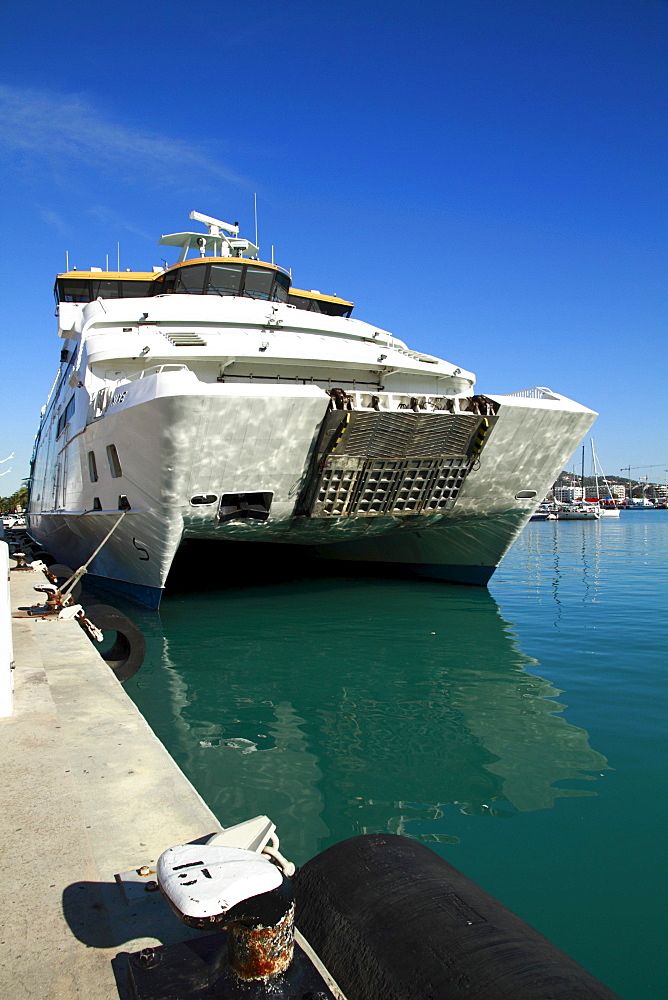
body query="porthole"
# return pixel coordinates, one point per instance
(203, 499)
(114, 462)
(526, 495)
(92, 467)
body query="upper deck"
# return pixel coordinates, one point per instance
(220, 269)
(212, 276)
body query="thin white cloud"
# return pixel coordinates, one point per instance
(114, 221)
(54, 219)
(67, 128)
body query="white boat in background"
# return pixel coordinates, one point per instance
(607, 504)
(212, 399)
(609, 510)
(545, 512)
(579, 512)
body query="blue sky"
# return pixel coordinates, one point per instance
(485, 178)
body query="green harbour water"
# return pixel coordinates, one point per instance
(518, 731)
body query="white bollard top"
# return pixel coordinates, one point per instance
(205, 881)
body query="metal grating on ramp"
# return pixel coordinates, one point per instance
(375, 487)
(388, 435)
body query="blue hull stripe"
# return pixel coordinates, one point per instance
(148, 597)
(477, 575)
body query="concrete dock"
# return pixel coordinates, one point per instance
(87, 791)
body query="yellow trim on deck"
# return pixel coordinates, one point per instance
(112, 275)
(303, 294)
(222, 260)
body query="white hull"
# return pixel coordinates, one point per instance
(176, 442)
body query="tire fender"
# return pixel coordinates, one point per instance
(126, 654)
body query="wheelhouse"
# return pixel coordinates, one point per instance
(224, 276)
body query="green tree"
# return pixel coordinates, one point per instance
(18, 499)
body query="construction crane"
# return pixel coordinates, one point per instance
(627, 468)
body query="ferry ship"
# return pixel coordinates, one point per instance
(211, 399)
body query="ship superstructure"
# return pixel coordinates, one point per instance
(212, 399)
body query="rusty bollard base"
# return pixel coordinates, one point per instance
(185, 971)
(257, 952)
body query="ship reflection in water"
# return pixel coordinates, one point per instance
(340, 706)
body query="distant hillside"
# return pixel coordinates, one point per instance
(573, 479)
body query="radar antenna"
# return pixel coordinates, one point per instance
(215, 225)
(216, 241)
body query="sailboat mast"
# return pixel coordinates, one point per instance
(593, 462)
(582, 478)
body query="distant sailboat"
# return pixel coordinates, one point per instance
(609, 507)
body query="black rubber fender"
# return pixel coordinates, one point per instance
(126, 654)
(62, 574)
(392, 920)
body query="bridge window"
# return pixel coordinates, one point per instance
(190, 280)
(85, 290)
(320, 305)
(73, 291)
(225, 279)
(164, 284)
(120, 289)
(105, 290)
(281, 287)
(134, 289)
(258, 283)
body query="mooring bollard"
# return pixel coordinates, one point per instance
(245, 896)
(227, 886)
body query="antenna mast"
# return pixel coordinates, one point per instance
(255, 208)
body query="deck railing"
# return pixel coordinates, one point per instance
(536, 392)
